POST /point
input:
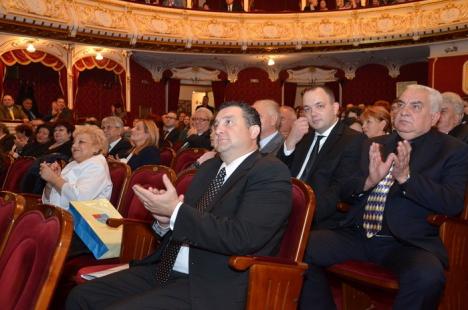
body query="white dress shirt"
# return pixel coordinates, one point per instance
(182, 261)
(87, 180)
(325, 135)
(266, 140)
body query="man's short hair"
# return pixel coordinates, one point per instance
(435, 98)
(207, 112)
(114, 120)
(250, 115)
(328, 92)
(24, 129)
(455, 101)
(273, 109)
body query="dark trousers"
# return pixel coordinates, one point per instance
(420, 273)
(134, 288)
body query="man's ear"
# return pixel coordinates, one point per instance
(435, 118)
(254, 131)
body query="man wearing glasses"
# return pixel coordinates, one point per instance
(323, 152)
(404, 177)
(169, 133)
(112, 126)
(199, 133)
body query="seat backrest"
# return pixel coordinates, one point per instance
(33, 256)
(146, 176)
(296, 235)
(183, 180)
(186, 157)
(11, 206)
(15, 173)
(119, 174)
(166, 156)
(6, 161)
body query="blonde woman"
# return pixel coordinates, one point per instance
(86, 177)
(144, 138)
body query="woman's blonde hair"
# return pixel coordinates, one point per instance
(152, 130)
(96, 134)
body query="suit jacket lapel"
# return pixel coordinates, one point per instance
(335, 134)
(244, 167)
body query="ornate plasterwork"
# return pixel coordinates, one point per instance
(311, 75)
(195, 74)
(139, 23)
(57, 49)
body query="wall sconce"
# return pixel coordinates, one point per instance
(99, 56)
(30, 48)
(271, 61)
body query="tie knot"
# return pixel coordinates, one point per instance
(319, 137)
(221, 174)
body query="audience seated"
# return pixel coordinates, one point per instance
(287, 118)
(144, 138)
(270, 138)
(10, 111)
(7, 140)
(169, 134)
(113, 127)
(237, 204)
(231, 6)
(451, 117)
(64, 114)
(174, 3)
(29, 109)
(85, 178)
(198, 136)
(323, 5)
(351, 118)
(39, 144)
(404, 177)
(376, 121)
(324, 157)
(23, 135)
(312, 5)
(63, 132)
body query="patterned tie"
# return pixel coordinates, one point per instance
(12, 114)
(172, 250)
(312, 158)
(374, 210)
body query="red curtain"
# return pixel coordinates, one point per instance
(24, 57)
(219, 91)
(173, 94)
(89, 62)
(290, 94)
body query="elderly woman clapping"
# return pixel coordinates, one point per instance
(86, 177)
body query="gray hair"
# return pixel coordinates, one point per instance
(96, 134)
(273, 109)
(114, 120)
(455, 100)
(206, 111)
(434, 96)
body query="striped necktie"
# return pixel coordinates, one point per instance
(374, 209)
(169, 255)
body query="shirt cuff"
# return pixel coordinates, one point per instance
(286, 151)
(174, 216)
(159, 230)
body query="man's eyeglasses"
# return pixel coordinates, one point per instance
(197, 119)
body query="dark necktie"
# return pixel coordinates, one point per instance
(312, 159)
(172, 250)
(374, 209)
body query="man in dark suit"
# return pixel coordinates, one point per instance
(451, 117)
(169, 133)
(405, 176)
(247, 215)
(7, 140)
(270, 138)
(10, 111)
(198, 136)
(113, 127)
(326, 166)
(232, 6)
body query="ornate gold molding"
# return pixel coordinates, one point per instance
(154, 27)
